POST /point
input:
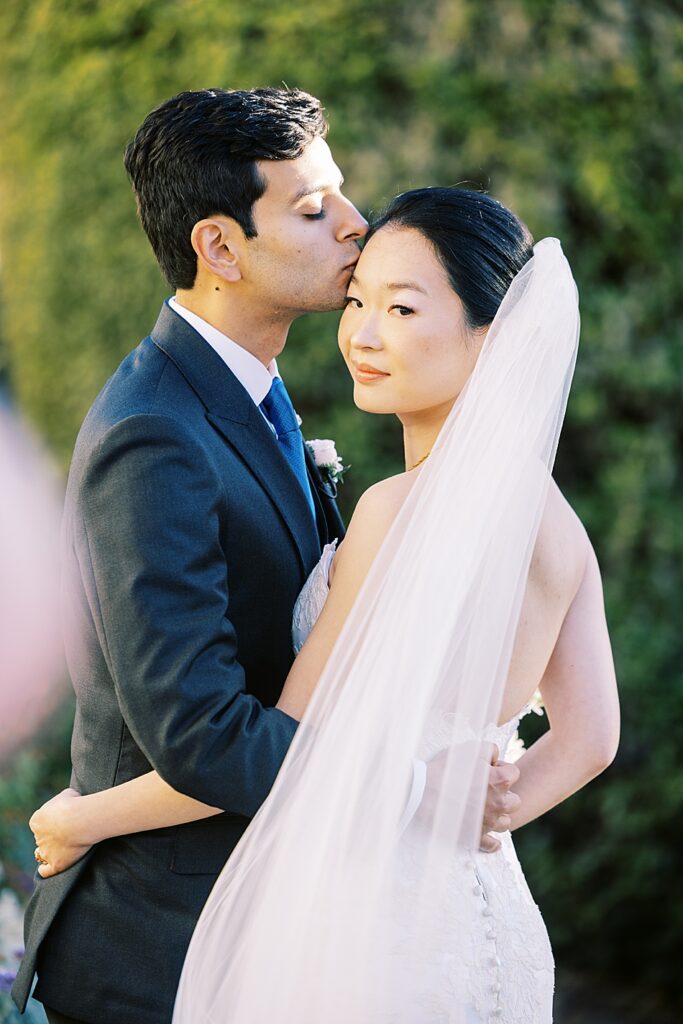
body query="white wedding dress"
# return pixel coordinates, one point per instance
(329, 911)
(493, 955)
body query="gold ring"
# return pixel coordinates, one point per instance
(39, 857)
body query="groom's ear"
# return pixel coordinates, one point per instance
(219, 243)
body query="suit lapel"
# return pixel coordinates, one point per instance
(330, 522)
(320, 518)
(255, 443)
(231, 411)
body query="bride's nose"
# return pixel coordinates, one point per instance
(365, 335)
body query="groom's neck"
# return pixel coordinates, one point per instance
(261, 332)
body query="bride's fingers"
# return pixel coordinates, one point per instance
(42, 861)
(46, 870)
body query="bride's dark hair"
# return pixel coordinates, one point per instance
(481, 244)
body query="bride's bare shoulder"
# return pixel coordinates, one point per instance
(372, 518)
(562, 547)
(384, 498)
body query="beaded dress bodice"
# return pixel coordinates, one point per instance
(491, 949)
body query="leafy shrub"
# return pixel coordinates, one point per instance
(571, 114)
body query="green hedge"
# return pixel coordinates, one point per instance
(570, 113)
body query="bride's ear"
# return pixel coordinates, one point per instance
(218, 242)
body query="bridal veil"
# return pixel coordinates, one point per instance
(299, 926)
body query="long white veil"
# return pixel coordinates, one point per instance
(300, 927)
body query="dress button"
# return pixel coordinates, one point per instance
(487, 912)
(490, 933)
(495, 961)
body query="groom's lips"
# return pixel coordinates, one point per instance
(366, 374)
(351, 265)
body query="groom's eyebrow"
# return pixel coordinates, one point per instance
(314, 190)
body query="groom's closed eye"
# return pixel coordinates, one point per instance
(316, 216)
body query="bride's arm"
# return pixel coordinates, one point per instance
(372, 518)
(68, 825)
(580, 695)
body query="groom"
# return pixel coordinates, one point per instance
(194, 514)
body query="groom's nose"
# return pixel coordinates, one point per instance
(353, 224)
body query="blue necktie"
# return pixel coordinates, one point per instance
(278, 408)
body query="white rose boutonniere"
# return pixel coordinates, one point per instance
(330, 466)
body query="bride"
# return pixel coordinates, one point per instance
(463, 585)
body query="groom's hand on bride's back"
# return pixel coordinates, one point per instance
(501, 802)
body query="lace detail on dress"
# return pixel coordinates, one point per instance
(312, 598)
(490, 949)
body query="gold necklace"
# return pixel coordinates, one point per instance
(420, 461)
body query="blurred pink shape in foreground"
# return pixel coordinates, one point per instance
(31, 658)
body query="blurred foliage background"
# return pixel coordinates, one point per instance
(571, 113)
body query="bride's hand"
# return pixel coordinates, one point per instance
(54, 827)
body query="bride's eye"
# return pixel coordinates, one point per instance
(349, 299)
(402, 310)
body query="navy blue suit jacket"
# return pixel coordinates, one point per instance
(187, 539)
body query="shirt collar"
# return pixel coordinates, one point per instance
(254, 377)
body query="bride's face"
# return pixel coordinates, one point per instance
(403, 333)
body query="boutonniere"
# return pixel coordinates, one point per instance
(330, 466)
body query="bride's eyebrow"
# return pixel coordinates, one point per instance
(393, 286)
(411, 286)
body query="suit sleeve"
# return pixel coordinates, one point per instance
(150, 500)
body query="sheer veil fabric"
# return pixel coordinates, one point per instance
(301, 924)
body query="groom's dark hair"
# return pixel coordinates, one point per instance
(195, 156)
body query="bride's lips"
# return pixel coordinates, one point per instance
(366, 374)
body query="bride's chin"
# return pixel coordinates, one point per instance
(365, 403)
